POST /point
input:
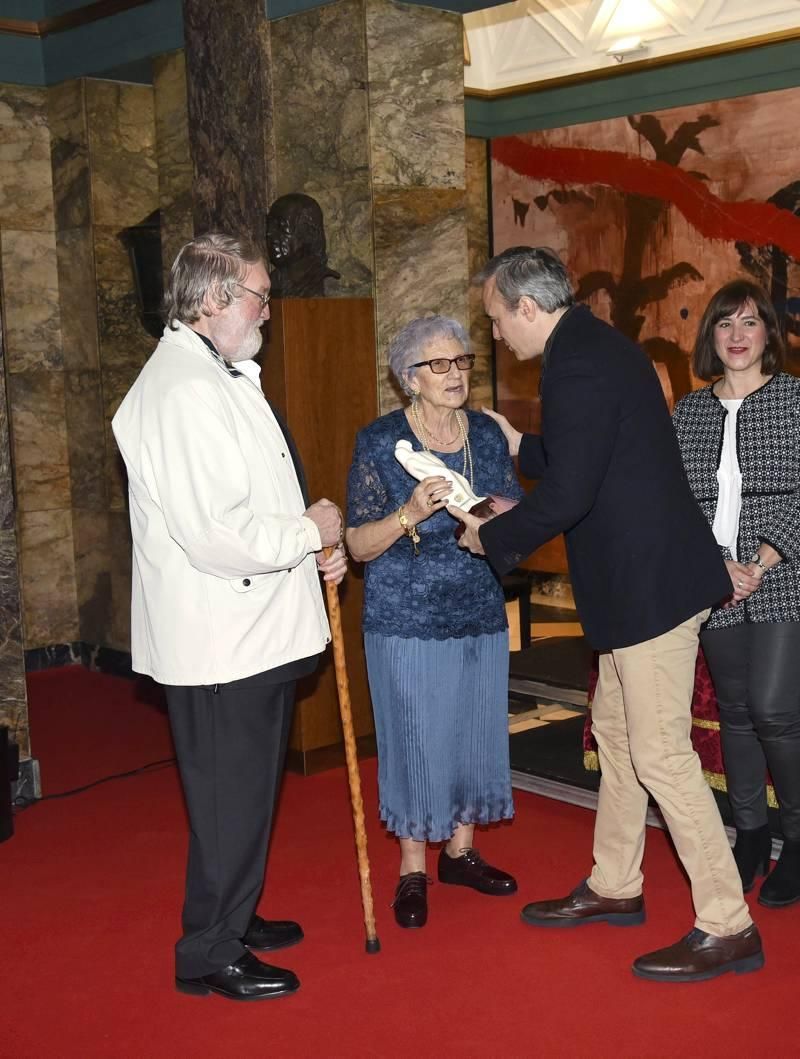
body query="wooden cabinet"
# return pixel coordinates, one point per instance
(319, 370)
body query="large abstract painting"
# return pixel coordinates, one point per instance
(652, 213)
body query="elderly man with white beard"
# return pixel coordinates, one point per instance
(227, 609)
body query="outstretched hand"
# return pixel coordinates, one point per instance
(469, 539)
(512, 436)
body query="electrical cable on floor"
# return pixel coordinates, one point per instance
(151, 766)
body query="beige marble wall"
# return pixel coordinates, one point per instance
(173, 155)
(35, 369)
(124, 181)
(417, 154)
(105, 180)
(375, 132)
(319, 64)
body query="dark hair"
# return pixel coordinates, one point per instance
(535, 271)
(726, 302)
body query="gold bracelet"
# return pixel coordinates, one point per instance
(408, 528)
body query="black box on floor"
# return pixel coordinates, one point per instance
(7, 759)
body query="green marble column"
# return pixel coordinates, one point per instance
(228, 69)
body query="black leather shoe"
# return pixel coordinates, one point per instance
(411, 900)
(700, 956)
(247, 979)
(470, 869)
(782, 885)
(269, 934)
(752, 851)
(584, 906)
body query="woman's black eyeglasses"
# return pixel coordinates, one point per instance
(441, 365)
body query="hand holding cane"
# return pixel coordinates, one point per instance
(353, 775)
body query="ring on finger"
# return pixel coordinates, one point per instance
(740, 584)
(431, 501)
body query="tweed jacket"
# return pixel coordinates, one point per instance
(768, 449)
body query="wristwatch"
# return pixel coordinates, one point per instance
(756, 558)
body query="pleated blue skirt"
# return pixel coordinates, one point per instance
(441, 724)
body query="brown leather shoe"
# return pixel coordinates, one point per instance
(700, 956)
(585, 906)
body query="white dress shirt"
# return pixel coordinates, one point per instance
(729, 477)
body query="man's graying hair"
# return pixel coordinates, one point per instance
(211, 265)
(535, 271)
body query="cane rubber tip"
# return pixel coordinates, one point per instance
(373, 945)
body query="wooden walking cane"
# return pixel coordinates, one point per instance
(353, 774)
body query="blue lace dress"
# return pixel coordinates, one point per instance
(436, 642)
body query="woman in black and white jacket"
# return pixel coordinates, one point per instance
(740, 442)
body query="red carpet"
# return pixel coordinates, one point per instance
(90, 890)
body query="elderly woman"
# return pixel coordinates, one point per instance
(740, 442)
(435, 629)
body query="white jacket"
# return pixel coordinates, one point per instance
(225, 582)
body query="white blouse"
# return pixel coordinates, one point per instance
(729, 503)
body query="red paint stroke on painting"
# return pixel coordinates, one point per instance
(758, 223)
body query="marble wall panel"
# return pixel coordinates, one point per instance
(13, 698)
(49, 597)
(228, 65)
(120, 547)
(116, 383)
(320, 87)
(122, 338)
(416, 95)
(91, 535)
(78, 298)
(7, 497)
(420, 265)
(26, 181)
(86, 440)
(124, 175)
(66, 109)
(173, 154)
(480, 330)
(41, 460)
(31, 300)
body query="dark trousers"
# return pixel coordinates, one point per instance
(231, 745)
(756, 672)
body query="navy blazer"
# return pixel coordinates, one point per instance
(642, 557)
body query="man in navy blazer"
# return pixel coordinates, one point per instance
(645, 570)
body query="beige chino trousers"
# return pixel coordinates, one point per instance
(641, 719)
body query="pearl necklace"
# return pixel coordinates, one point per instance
(424, 434)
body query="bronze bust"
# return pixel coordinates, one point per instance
(296, 247)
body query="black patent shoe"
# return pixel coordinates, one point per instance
(247, 979)
(269, 934)
(411, 900)
(752, 852)
(782, 885)
(470, 869)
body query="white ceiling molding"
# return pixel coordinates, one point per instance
(530, 42)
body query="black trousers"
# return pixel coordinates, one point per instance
(756, 672)
(231, 745)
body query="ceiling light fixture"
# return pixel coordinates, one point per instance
(626, 46)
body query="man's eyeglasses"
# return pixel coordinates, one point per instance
(441, 365)
(263, 298)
